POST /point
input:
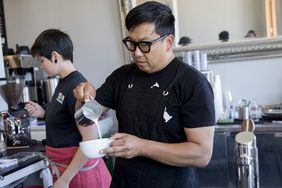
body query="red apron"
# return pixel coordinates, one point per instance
(96, 176)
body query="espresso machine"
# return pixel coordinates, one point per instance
(15, 124)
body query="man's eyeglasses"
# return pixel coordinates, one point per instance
(144, 46)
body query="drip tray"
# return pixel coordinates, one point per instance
(24, 156)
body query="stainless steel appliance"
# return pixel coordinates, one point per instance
(15, 122)
(27, 67)
(49, 86)
(247, 175)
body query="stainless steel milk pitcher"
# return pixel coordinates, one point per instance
(88, 113)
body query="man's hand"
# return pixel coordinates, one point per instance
(84, 92)
(125, 146)
(34, 109)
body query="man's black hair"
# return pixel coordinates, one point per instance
(223, 36)
(152, 12)
(184, 41)
(53, 40)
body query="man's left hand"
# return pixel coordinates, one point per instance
(125, 146)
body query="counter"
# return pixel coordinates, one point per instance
(222, 166)
(28, 171)
(31, 162)
(262, 127)
(27, 165)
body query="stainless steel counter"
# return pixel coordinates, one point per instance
(265, 127)
(28, 163)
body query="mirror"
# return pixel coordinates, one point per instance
(203, 20)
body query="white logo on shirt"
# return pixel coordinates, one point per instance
(60, 98)
(166, 116)
(155, 85)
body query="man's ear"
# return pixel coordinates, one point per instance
(169, 42)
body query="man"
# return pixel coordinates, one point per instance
(164, 107)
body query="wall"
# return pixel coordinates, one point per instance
(256, 79)
(94, 27)
(98, 47)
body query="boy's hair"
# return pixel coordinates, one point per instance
(53, 40)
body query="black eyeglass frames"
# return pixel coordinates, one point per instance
(144, 46)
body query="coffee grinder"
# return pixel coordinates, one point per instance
(15, 121)
(30, 69)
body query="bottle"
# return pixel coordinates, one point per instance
(254, 112)
(232, 113)
(3, 146)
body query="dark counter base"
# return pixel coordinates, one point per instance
(32, 179)
(221, 171)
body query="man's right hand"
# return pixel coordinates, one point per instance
(84, 92)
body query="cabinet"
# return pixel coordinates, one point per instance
(221, 171)
(216, 174)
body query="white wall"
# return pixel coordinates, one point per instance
(256, 79)
(93, 25)
(96, 32)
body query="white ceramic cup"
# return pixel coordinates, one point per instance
(91, 148)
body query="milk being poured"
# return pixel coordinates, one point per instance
(93, 113)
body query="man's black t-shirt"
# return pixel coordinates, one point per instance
(191, 101)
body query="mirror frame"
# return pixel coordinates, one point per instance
(248, 49)
(238, 51)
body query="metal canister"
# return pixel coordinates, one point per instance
(49, 86)
(243, 113)
(246, 160)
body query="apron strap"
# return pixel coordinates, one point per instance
(166, 91)
(56, 172)
(131, 84)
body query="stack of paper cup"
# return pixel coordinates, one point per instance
(204, 62)
(217, 97)
(188, 58)
(196, 59)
